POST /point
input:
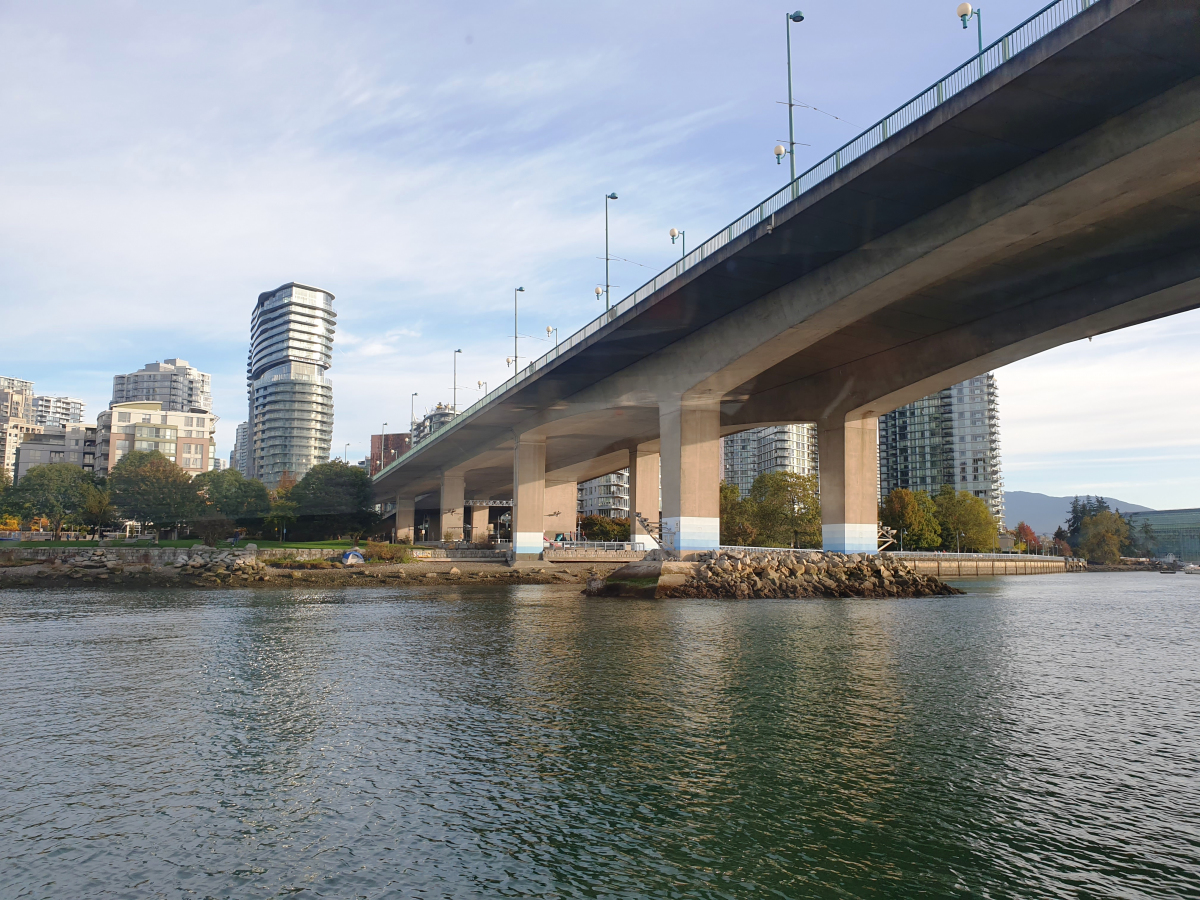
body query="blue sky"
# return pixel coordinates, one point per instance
(164, 164)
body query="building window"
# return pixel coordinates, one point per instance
(122, 417)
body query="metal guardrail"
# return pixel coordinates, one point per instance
(934, 554)
(594, 545)
(1020, 38)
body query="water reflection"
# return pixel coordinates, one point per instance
(1035, 738)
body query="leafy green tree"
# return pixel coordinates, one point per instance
(602, 528)
(1102, 535)
(54, 492)
(334, 499)
(786, 509)
(962, 514)
(915, 514)
(281, 516)
(149, 488)
(232, 495)
(737, 517)
(97, 509)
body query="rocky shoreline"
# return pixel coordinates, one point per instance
(796, 574)
(206, 567)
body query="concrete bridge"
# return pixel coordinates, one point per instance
(1046, 191)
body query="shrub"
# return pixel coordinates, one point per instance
(377, 550)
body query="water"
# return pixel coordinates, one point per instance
(1036, 738)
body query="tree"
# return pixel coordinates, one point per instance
(1024, 535)
(1102, 535)
(962, 514)
(333, 499)
(232, 495)
(97, 509)
(602, 528)
(147, 487)
(737, 526)
(786, 509)
(916, 515)
(54, 492)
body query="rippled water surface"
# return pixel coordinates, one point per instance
(1039, 737)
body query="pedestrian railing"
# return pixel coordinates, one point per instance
(595, 545)
(1020, 38)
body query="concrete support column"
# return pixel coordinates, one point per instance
(405, 510)
(479, 524)
(690, 438)
(529, 496)
(453, 489)
(643, 493)
(849, 454)
(560, 503)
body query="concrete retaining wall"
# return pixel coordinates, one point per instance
(951, 565)
(563, 554)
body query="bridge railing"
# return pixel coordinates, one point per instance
(1020, 38)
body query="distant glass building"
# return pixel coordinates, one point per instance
(1176, 531)
(775, 448)
(951, 437)
(290, 423)
(57, 412)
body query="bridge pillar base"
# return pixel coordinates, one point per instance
(690, 438)
(561, 502)
(405, 513)
(849, 471)
(479, 524)
(643, 495)
(453, 492)
(529, 497)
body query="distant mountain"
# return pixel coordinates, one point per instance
(1043, 513)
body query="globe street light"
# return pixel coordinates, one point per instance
(514, 356)
(607, 197)
(599, 291)
(482, 385)
(549, 329)
(682, 235)
(966, 13)
(789, 18)
(454, 390)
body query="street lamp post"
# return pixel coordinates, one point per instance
(454, 389)
(551, 329)
(682, 235)
(607, 298)
(382, 444)
(412, 415)
(789, 18)
(515, 357)
(482, 385)
(346, 453)
(966, 13)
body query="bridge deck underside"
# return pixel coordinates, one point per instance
(1055, 198)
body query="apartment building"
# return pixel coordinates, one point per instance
(776, 448)
(178, 386)
(187, 439)
(74, 444)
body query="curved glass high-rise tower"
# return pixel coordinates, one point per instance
(291, 401)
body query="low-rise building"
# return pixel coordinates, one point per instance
(75, 444)
(387, 448)
(12, 433)
(186, 438)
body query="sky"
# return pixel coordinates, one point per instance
(163, 164)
